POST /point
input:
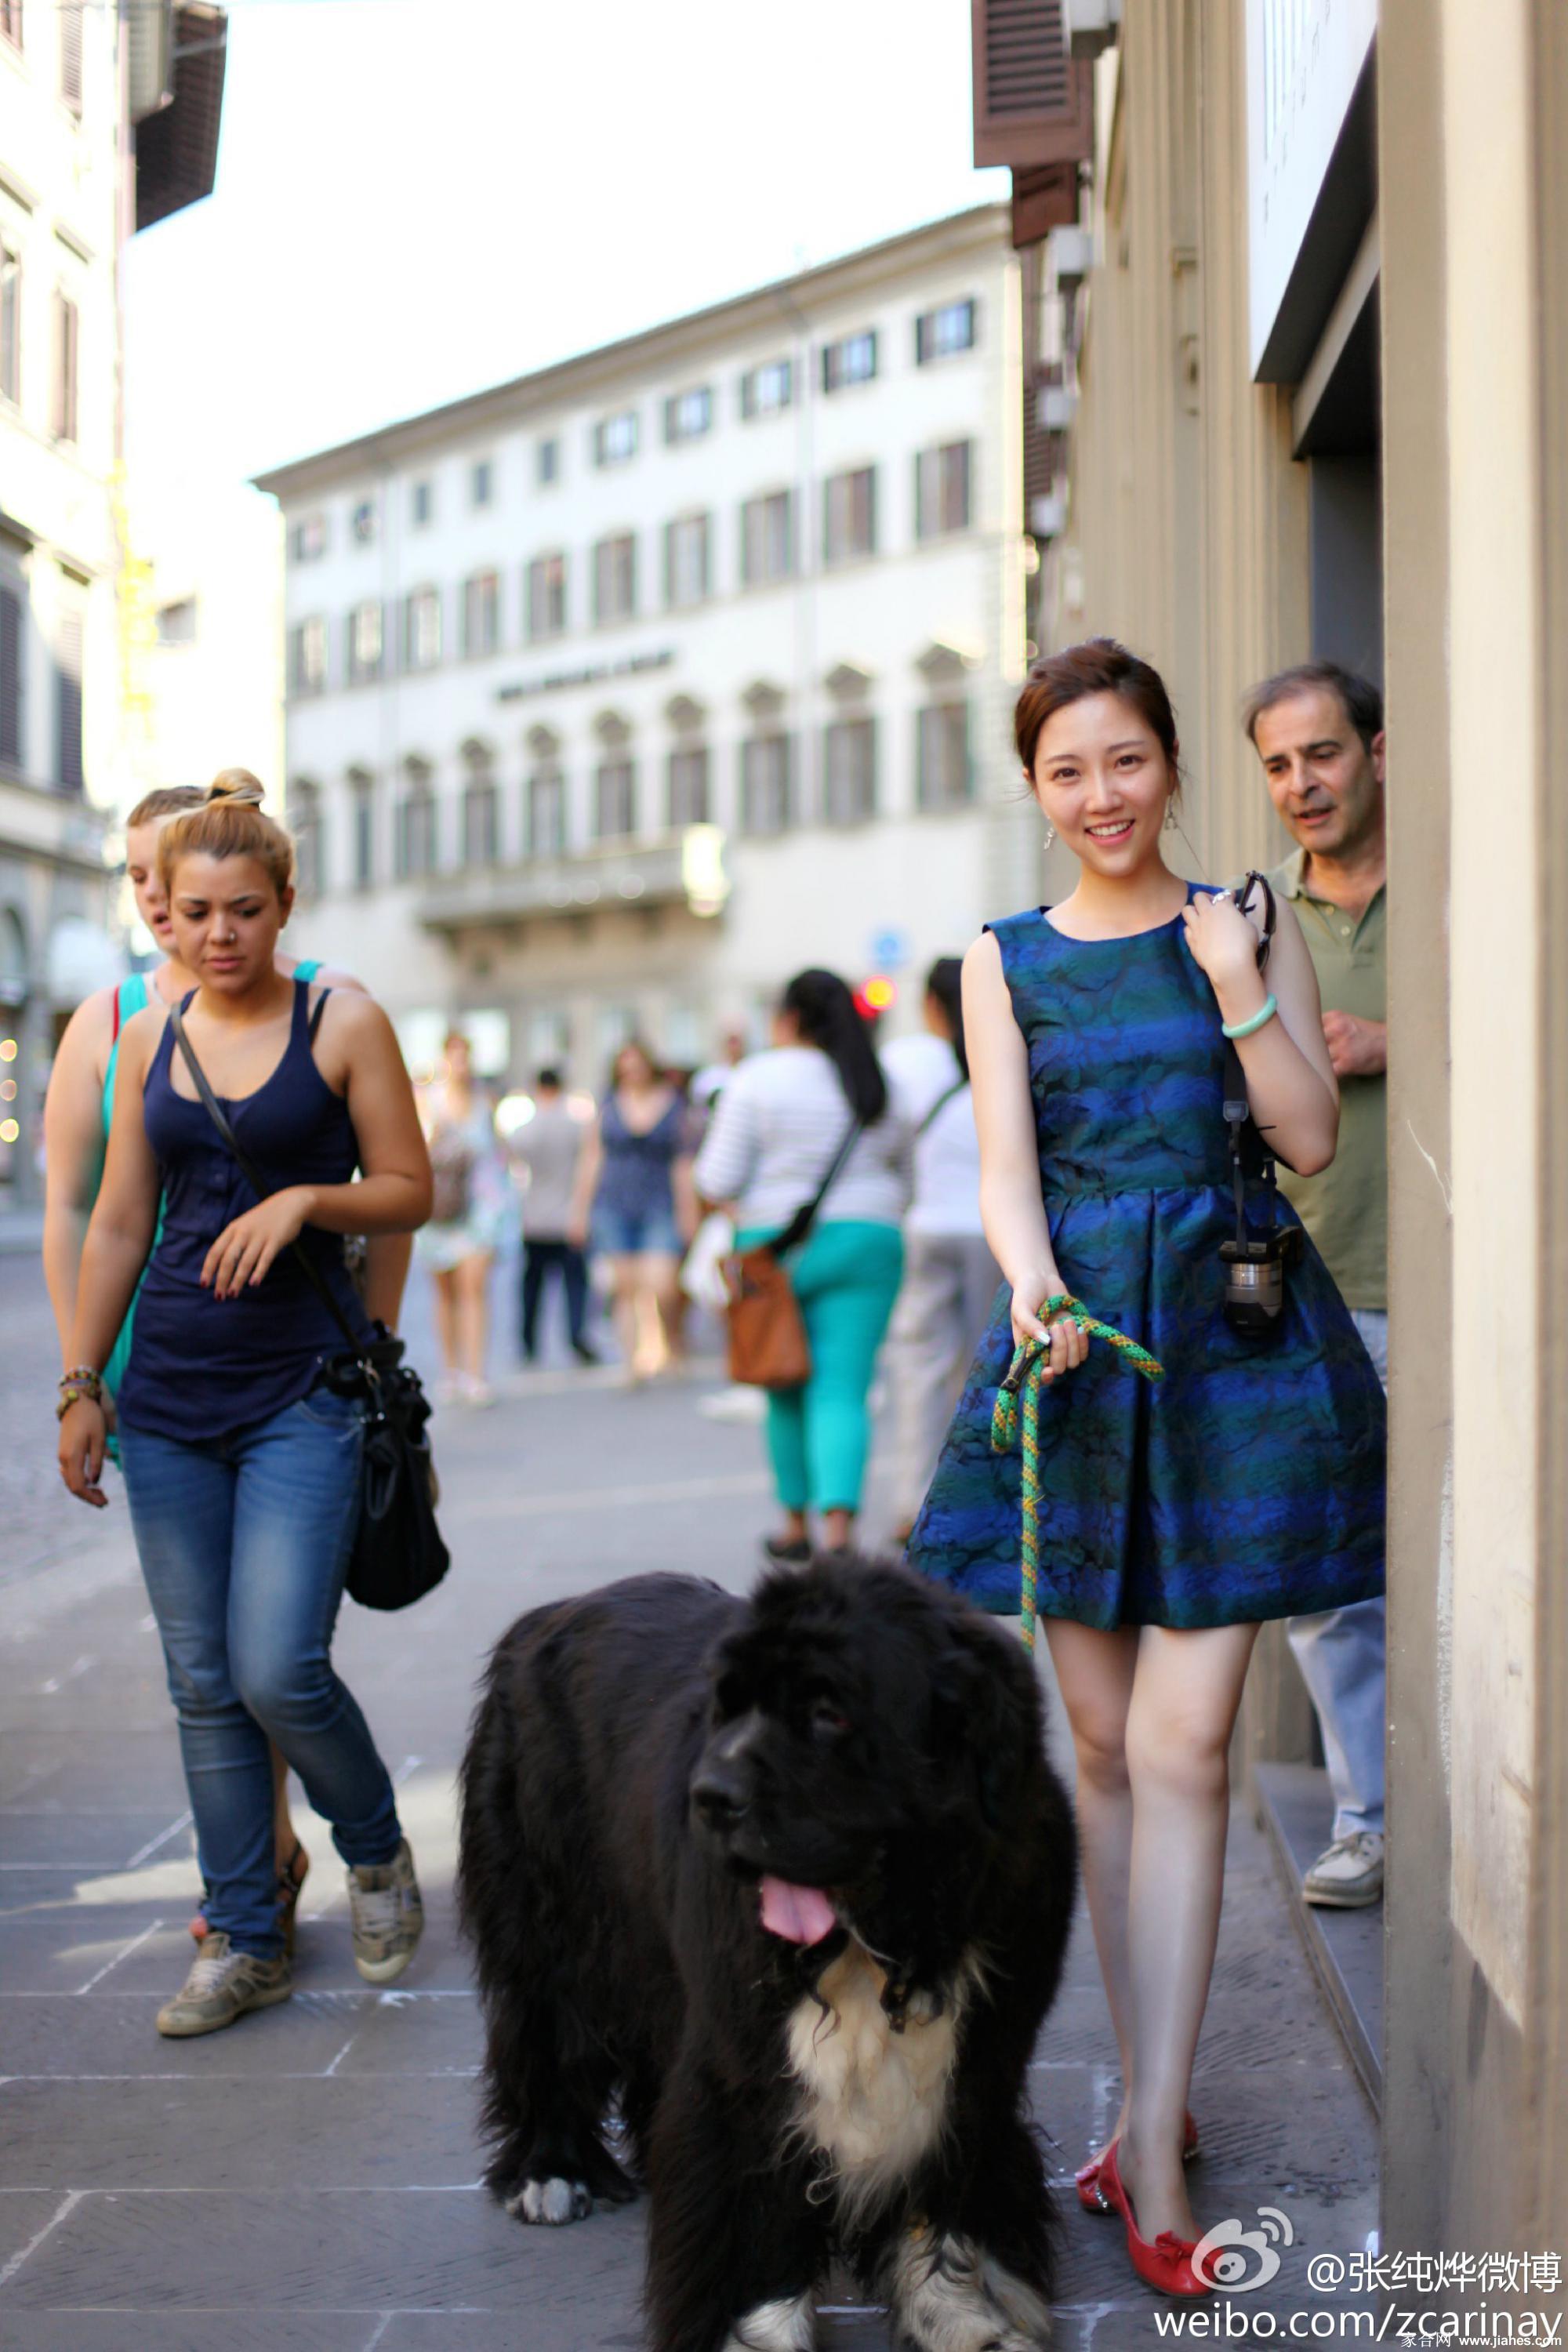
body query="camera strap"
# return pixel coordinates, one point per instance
(1251, 1157)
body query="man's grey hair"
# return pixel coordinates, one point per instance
(1360, 701)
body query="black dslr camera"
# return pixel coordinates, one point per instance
(1255, 1257)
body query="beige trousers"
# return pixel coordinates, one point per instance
(949, 1281)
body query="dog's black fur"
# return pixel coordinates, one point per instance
(891, 1752)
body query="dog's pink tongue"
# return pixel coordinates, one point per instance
(800, 1915)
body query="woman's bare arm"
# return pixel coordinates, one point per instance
(74, 1152)
(1012, 1206)
(1290, 1085)
(126, 1215)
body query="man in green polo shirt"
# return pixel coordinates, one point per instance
(1318, 730)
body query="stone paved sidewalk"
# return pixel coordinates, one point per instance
(307, 2182)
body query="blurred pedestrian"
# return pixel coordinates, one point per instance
(241, 1464)
(634, 1197)
(707, 1083)
(950, 1278)
(782, 1120)
(549, 1147)
(1249, 1484)
(78, 1111)
(467, 1218)
(1318, 730)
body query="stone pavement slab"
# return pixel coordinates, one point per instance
(307, 2182)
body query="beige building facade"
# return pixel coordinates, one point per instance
(1306, 337)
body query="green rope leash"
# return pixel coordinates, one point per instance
(1015, 1420)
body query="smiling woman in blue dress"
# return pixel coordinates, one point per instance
(1249, 1483)
(240, 1465)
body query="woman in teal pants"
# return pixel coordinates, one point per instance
(782, 1120)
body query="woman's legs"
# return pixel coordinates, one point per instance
(846, 1278)
(296, 1497)
(183, 1510)
(657, 1273)
(1094, 1670)
(624, 1287)
(471, 1278)
(1151, 1712)
(445, 1281)
(1185, 1692)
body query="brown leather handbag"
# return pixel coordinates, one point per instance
(768, 1345)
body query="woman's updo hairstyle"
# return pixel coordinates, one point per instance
(228, 824)
(825, 1015)
(1098, 666)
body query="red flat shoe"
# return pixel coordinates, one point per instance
(1088, 2175)
(1164, 2262)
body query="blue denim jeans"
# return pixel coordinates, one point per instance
(1341, 1654)
(244, 1543)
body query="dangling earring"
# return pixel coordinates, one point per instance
(1051, 836)
(1172, 819)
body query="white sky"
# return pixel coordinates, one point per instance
(415, 201)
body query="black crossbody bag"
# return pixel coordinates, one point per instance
(398, 1553)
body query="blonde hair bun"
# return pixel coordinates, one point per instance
(237, 787)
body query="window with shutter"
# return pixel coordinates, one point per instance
(70, 53)
(615, 800)
(1033, 102)
(685, 561)
(10, 324)
(687, 786)
(547, 813)
(365, 642)
(304, 820)
(362, 807)
(546, 597)
(615, 579)
(67, 703)
(942, 490)
(849, 771)
(64, 420)
(767, 538)
(481, 614)
(481, 824)
(766, 784)
(849, 515)
(766, 389)
(11, 610)
(944, 777)
(11, 21)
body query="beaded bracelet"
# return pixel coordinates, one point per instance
(1264, 1014)
(80, 1382)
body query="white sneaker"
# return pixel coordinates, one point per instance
(1348, 1874)
(222, 1986)
(735, 1404)
(387, 1915)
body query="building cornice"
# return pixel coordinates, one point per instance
(786, 302)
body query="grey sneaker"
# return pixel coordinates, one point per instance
(1348, 1874)
(387, 1914)
(222, 1985)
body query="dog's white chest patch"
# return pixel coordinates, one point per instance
(873, 2099)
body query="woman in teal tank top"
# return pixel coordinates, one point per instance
(77, 1115)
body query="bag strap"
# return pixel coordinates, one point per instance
(940, 1104)
(253, 1177)
(804, 1217)
(1250, 1156)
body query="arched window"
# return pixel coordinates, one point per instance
(481, 811)
(415, 845)
(304, 820)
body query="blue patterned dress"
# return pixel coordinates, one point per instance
(1249, 1483)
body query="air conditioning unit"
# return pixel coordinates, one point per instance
(1049, 516)
(1091, 25)
(1055, 405)
(1069, 257)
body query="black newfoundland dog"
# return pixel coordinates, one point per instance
(788, 1882)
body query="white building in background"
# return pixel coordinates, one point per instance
(74, 180)
(210, 668)
(620, 692)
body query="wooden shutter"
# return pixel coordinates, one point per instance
(1033, 102)
(70, 53)
(67, 704)
(64, 420)
(10, 677)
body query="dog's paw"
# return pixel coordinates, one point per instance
(551, 2203)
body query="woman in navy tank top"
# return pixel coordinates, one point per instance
(242, 1470)
(77, 1113)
